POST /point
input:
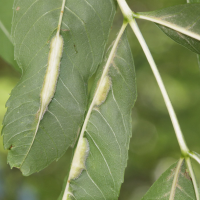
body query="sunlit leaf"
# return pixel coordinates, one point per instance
(108, 130)
(34, 142)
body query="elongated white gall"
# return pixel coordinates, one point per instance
(80, 156)
(51, 76)
(103, 91)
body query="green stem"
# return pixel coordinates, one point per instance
(179, 135)
(124, 7)
(126, 11)
(194, 156)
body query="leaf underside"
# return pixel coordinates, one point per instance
(85, 29)
(108, 132)
(184, 40)
(162, 188)
(181, 23)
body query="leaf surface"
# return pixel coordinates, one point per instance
(174, 184)
(6, 47)
(195, 1)
(108, 131)
(33, 143)
(181, 23)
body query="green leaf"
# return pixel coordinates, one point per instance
(195, 1)
(184, 40)
(6, 48)
(107, 129)
(181, 23)
(35, 139)
(174, 184)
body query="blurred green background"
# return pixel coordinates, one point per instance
(153, 146)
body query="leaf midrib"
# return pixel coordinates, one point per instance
(175, 181)
(41, 111)
(104, 74)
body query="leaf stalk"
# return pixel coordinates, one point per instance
(124, 7)
(179, 134)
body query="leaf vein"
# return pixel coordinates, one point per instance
(111, 130)
(95, 184)
(31, 28)
(89, 41)
(103, 158)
